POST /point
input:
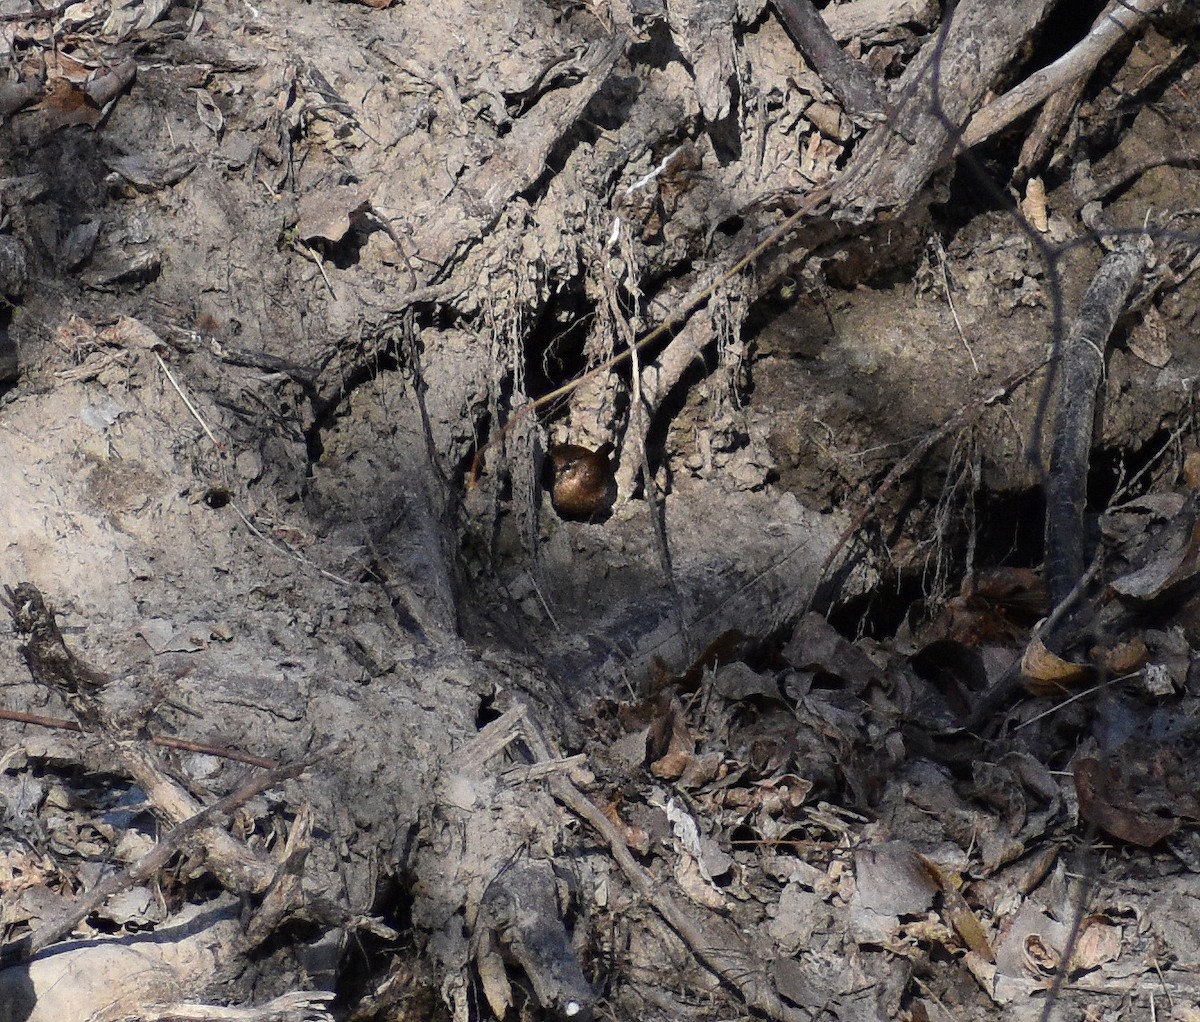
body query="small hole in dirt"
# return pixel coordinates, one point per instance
(554, 352)
(486, 713)
(745, 839)
(1009, 531)
(1112, 468)
(394, 902)
(731, 226)
(877, 614)
(217, 497)
(369, 956)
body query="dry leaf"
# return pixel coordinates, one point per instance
(1097, 804)
(326, 214)
(1033, 206)
(958, 913)
(1045, 673)
(1099, 942)
(209, 113)
(1126, 657)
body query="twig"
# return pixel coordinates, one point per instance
(306, 251)
(283, 548)
(1075, 698)
(53, 664)
(950, 302)
(162, 741)
(190, 407)
(845, 76)
(732, 964)
(1008, 683)
(150, 863)
(1121, 19)
(1051, 120)
(1189, 424)
(910, 460)
(295, 555)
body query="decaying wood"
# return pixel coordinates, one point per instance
(1052, 118)
(54, 665)
(703, 30)
(874, 21)
(1079, 376)
(1118, 22)
(939, 90)
(476, 204)
(844, 75)
(520, 918)
(150, 864)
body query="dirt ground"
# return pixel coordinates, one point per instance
(311, 309)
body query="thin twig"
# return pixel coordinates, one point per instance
(910, 460)
(190, 407)
(283, 548)
(950, 302)
(153, 861)
(1010, 681)
(162, 741)
(1092, 690)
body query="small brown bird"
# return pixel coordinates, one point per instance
(582, 486)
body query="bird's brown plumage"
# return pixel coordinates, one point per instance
(582, 486)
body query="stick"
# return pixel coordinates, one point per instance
(845, 76)
(1122, 18)
(714, 944)
(150, 863)
(1082, 364)
(162, 741)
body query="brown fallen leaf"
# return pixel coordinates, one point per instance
(1045, 673)
(958, 913)
(1098, 793)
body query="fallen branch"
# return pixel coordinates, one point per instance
(1119, 21)
(939, 91)
(1082, 363)
(846, 77)
(151, 863)
(52, 664)
(721, 948)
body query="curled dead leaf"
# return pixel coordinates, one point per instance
(1034, 205)
(1103, 802)
(1045, 673)
(1040, 959)
(1099, 942)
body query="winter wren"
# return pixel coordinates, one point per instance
(581, 483)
